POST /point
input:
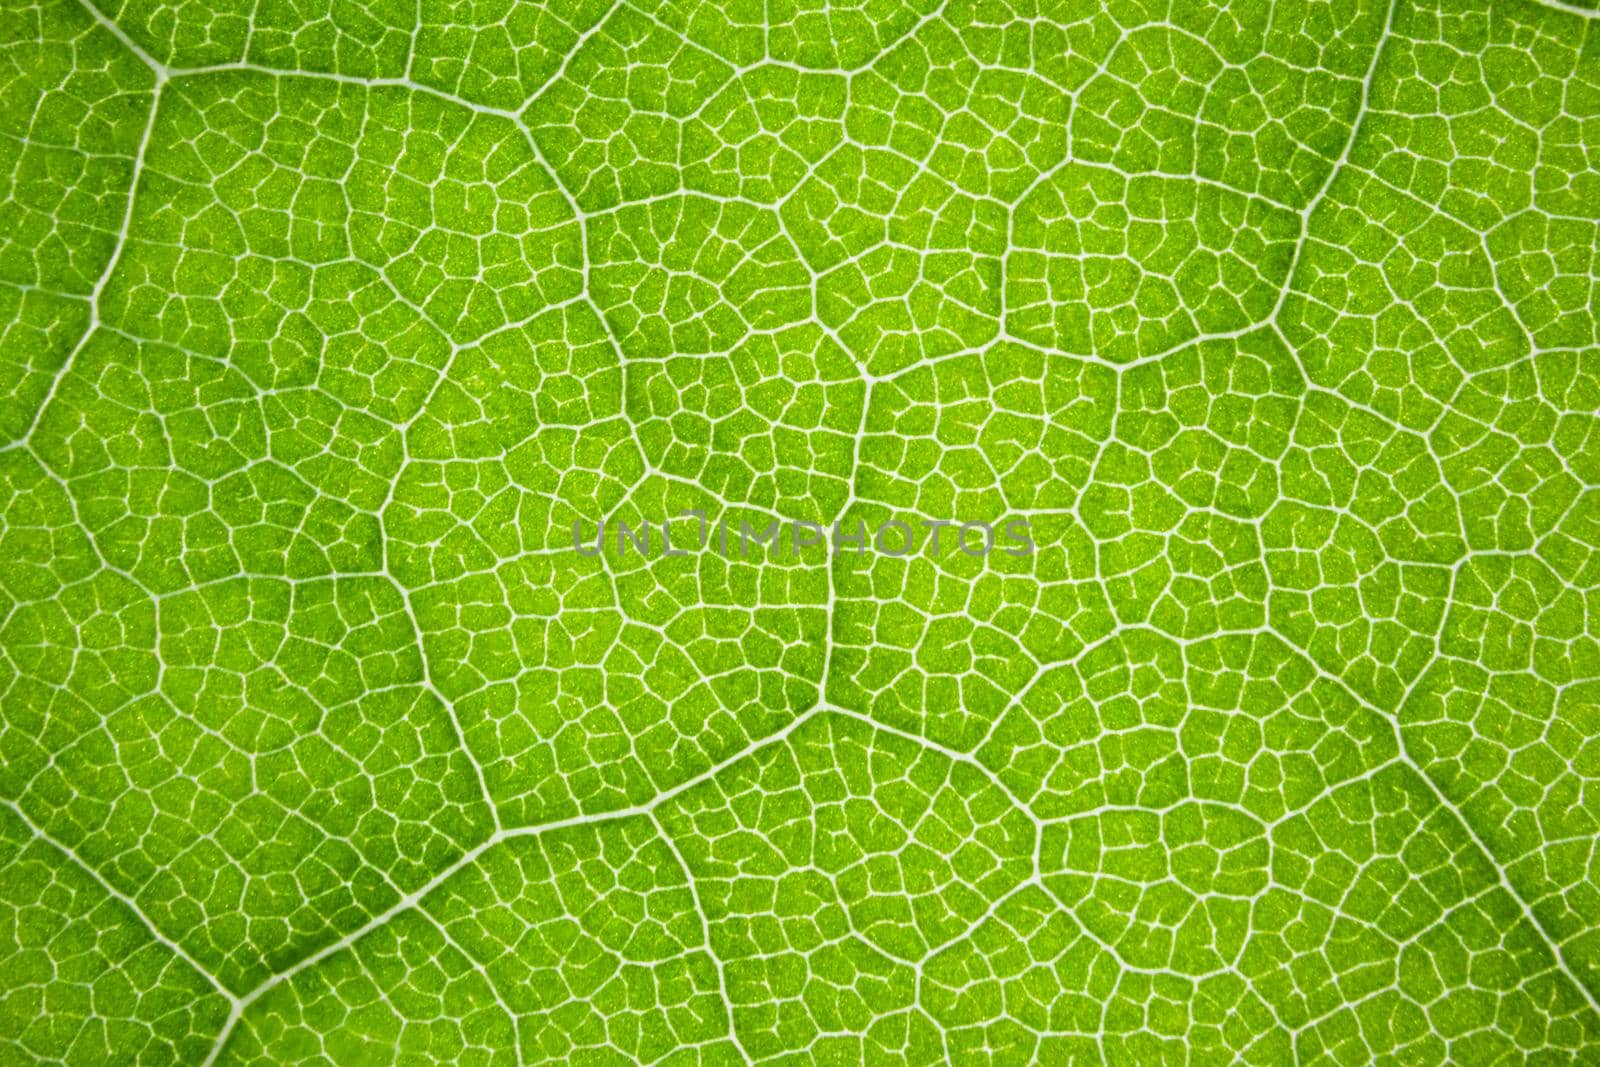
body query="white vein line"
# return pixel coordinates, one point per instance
(111, 263)
(1569, 8)
(1504, 879)
(953, 755)
(1393, 718)
(646, 809)
(528, 98)
(126, 901)
(117, 31)
(405, 903)
(1272, 320)
(513, 1017)
(705, 932)
(430, 686)
(222, 1035)
(469, 857)
(1362, 110)
(1338, 165)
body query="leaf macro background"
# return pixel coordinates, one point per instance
(319, 744)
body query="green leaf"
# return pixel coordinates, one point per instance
(1132, 476)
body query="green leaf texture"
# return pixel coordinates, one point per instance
(322, 325)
